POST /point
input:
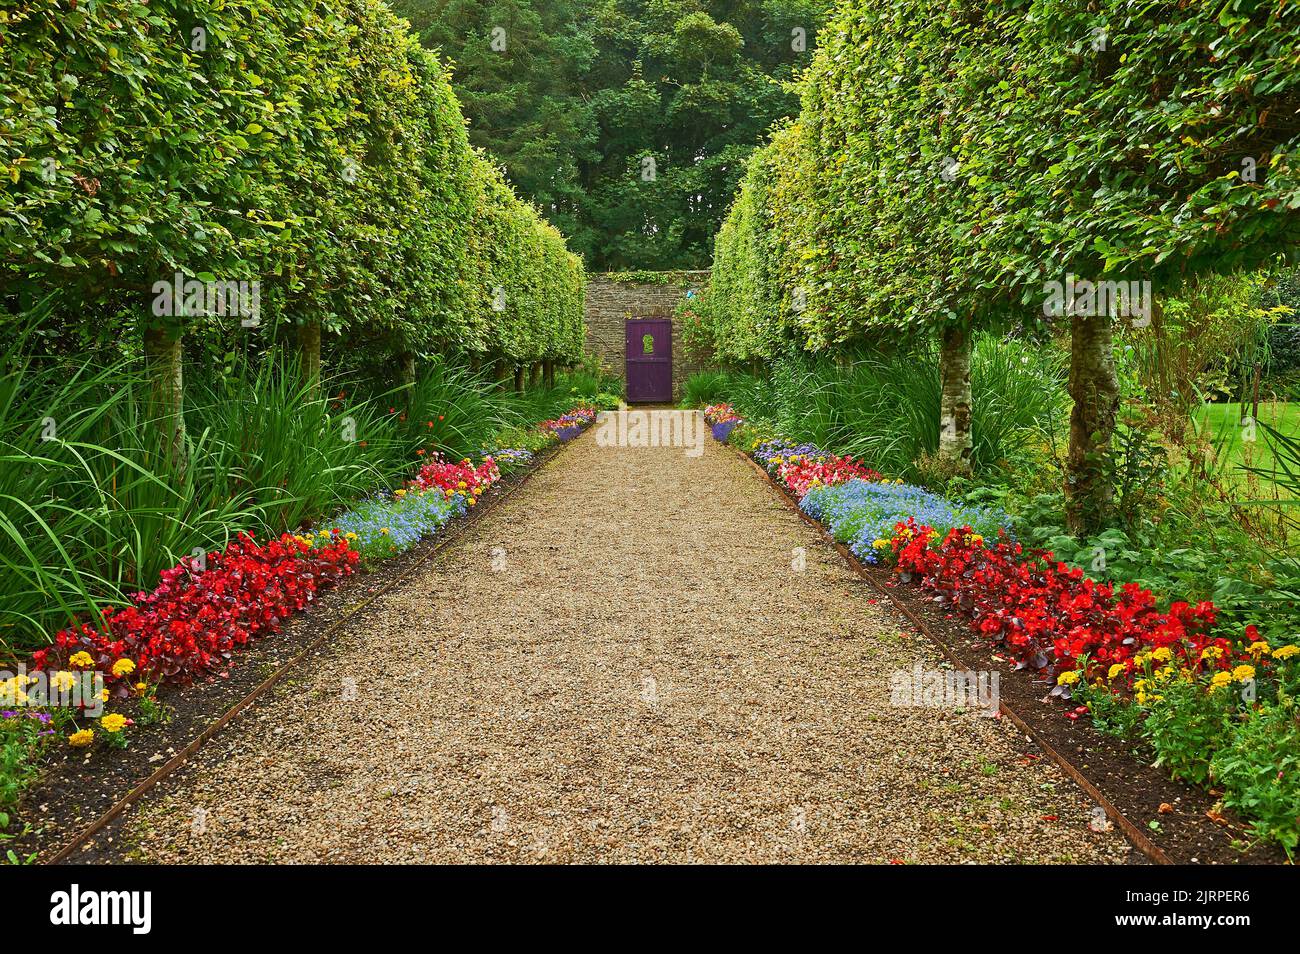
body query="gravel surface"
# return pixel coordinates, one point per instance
(623, 662)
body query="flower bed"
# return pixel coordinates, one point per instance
(197, 616)
(722, 420)
(569, 426)
(864, 514)
(511, 459)
(385, 526)
(1213, 704)
(204, 610)
(452, 479)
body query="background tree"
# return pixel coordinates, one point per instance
(586, 91)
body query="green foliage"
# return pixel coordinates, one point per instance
(704, 388)
(1260, 773)
(680, 278)
(883, 408)
(1188, 726)
(312, 147)
(20, 743)
(524, 438)
(1110, 713)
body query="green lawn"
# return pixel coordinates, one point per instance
(1222, 423)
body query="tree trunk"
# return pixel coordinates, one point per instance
(500, 372)
(548, 373)
(1094, 388)
(519, 377)
(535, 374)
(955, 442)
(309, 352)
(406, 365)
(475, 363)
(162, 354)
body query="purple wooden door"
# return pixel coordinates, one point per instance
(649, 359)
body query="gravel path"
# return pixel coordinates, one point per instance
(621, 663)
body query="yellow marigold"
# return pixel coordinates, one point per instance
(63, 680)
(879, 544)
(115, 722)
(1163, 654)
(1220, 679)
(1114, 670)
(1285, 652)
(1257, 648)
(104, 694)
(82, 738)
(1211, 652)
(1242, 673)
(1068, 678)
(81, 658)
(11, 692)
(977, 539)
(123, 667)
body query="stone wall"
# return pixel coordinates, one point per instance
(611, 302)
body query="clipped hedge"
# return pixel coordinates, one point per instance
(952, 159)
(949, 159)
(311, 146)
